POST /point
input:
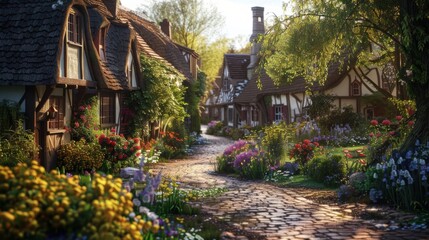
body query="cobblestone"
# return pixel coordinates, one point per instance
(276, 213)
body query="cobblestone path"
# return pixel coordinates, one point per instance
(276, 213)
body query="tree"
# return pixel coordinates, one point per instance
(321, 32)
(194, 24)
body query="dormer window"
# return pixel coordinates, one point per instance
(102, 43)
(74, 28)
(131, 71)
(74, 61)
(356, 88)
(259, 19)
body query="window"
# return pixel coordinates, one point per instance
(131, 71)
(107, 109)
(255, 116)
(102, 43)
(74, 47)
(278, 114)
(57, 120)
(355, 88)
(74, 28)
(230, 115)
(225, 84)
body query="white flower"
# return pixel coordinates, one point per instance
(391, 162)
(132, 215)
(402, 183)
(378, 166)
(136, 202)
(422, 162)
(394, 173)
(401, 172)
(54, 6)
(400, 160)
(424, 178)
(375, 175)
(415, 161)
(394, 167)
(60, 2)
(407, 174)
(410, 180)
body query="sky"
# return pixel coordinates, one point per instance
(237, 15)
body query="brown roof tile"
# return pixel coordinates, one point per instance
(157, 41)
(237, 65)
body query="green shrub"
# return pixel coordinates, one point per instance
(17, 146)
(275, 139)
(80, 156)
(214, 128)
(327, 169)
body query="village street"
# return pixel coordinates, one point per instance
(276, 213)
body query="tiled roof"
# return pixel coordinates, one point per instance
(157, 41)
(30, 32)
(252, 93)
(237, 65)
(117, 48)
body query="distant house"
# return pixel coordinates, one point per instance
(241, 102)
(53, 56)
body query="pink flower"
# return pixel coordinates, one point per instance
(371, 135)
(374, 122)
(76, 124)
(399, 118)
(386, 122)
(410, 123)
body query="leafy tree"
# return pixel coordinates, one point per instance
(194, 24)
(321, 32)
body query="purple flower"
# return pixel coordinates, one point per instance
(234, 147)
(244, 159)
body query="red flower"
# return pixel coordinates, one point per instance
(386, 122)
(136, 140)
(76, 124)
(362, 161)
(348, 155)
(306, 141)
(112, 143)
(410, 123)
(362, 155)
(297, 145)
(113, 130)
(371, 134)
(399, 118)
(392, 133)
(374, 122)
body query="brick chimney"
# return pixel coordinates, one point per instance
(112, 6)
(258, 28)
(165, 27)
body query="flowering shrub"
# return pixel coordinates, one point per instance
(387, 135)
(214, 127)
(303, 151)
(171, 145)
(119, 152)
(225, 163)
(251, 164)
(402, 180)
(80, 156)
(39, 205)
(274, 140)
(85, 121)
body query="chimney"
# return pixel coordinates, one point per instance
(112, 6)
(258, 28)
(165, 27)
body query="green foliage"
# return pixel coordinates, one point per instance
(9, 116)
(321, 105)
(196, 25)
(327, 169)
(172, 143)
(319, 33)
(193, 96)
(275, 140)
(85, 121)
(342, 117)
(161, 99)
(80, 156)
(17, 146)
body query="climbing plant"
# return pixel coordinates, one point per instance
(160, 100)
(9, 116)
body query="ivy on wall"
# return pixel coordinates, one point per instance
(160, 100)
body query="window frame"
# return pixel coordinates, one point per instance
(278, 113)
(107, 109)
(57, 123)
(356, 88)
